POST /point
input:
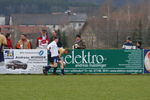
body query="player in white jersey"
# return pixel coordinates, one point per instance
(53, 48)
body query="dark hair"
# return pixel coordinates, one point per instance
(139, 42)
(44, 31)
(78, 36)
(0, 29)
(54, 38)
(129, 38)
(7, 35)
(24, 35)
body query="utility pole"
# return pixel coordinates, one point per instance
(117, 30)
(128, 14)
(108, 21)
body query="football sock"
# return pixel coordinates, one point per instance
(54, 71)
(62, 71)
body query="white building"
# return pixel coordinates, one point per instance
(2, 20)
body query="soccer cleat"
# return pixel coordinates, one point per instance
(62, 71)
(62, 74)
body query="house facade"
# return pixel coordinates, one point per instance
(59, 21)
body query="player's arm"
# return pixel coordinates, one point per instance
(49, 47)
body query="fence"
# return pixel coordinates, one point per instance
(104, 61)
(78, 61)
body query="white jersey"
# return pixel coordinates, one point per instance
(53, 49)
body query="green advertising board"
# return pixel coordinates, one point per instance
(104, 61)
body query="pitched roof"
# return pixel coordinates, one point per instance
(78, 18)
(47, 19)
(38, 19)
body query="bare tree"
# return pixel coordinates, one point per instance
(111, 26)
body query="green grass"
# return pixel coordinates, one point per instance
(75, 87)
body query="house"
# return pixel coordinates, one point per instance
(77, 21)
(55, 21)
(2, 20)
(52, 21)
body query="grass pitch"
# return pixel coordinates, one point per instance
(75, 87)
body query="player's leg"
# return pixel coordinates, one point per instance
(55, 65)
(46, 69)
(62, 66)
(52, 64)
(55, 68)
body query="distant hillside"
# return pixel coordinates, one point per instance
(8, 7)
(95, 2)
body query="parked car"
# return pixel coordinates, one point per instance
(15, 64)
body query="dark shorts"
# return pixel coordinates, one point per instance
(55, 59)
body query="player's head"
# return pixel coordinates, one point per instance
(54, 33)
(56, 39)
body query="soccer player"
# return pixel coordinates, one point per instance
(54, 62)
(53, 48)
